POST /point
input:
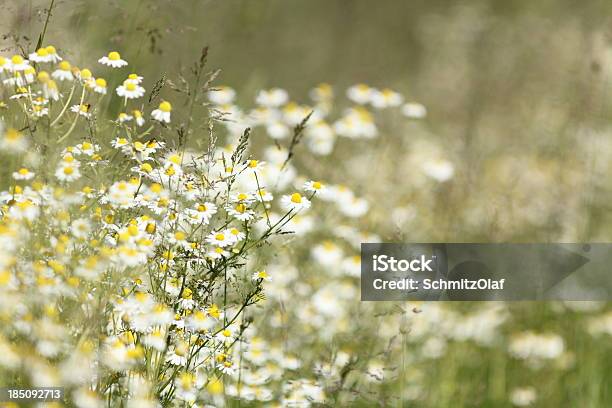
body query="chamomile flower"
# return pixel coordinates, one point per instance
(18, 63)
(130, 90)
(121, 194)
(135, 78)
(360, 93)
(217, 253)
(277, 130)
(29, 75)
(272, 98)
(50, 90)
(236, 234)
(222, 95)
(414, 110)
(241, 212)
(44, 54)
(263, 195)
(313, 186)
(243, 198)
(263, 275)
(138, 117)
(39, 111)
(162, 113)
(13, 141)
(63, 72)
(185, 387)
(23, 174)
(68, 171)
(124, 117)
(295, 202)
(386, 99)
(99, 86)
(322, 93)
(82, 110)
(439, 169)
(113, 59)
(220, 239)
(201, 213)
(52, 55)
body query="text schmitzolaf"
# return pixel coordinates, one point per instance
(385, 263)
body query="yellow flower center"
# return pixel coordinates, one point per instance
(12, 134)
(101, 82)
(241, 208)
(51, 50)
(86, 74)
(317, 185)
(201, 208)
(43, 76)
(17, 59)
(68, 170)
(253, 163)
(42, 52)
(296, 198)
(219, 237)
(165, 106)
(130, 86)
(64, 66)
(114, 56)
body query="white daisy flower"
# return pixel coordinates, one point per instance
(124, 117)
(99, 86)
(4, 64)
(414, 110)
(113, 59)
(217, 253)
(236, 234)
(313, 186)
(241, 212)
(23, 174)
(162, 114)
(272, 98)
(135, 78)
(360, 93)
(263, 195)
(386, 99)
(41, 55)
(67, 172)
(138, 116)
(64, 72)
(50, 90)
(52, 55)
(295, 202)
(263, 275)
(220, 239)
(130, 90)
(222, 95)
(278, 130)
(82, 110)
(18, 63)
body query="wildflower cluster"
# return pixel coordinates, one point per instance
(126, 266)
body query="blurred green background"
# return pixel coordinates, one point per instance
(517, 91)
